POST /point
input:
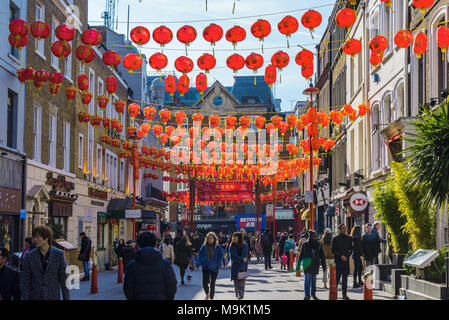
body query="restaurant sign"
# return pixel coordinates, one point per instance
(99, 194)
(59, 183)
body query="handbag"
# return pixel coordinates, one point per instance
(242, 275)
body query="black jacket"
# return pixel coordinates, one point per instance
(357, 246)
(86, 244)
(370, 244)
(183, 253)
(341, 246)
(196, 245)
(149, 277)
(9, 284)
(310, 256)
(282, 244)
(267, 243)
(128, 253)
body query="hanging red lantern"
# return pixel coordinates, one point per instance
(259, 121)
(85, 54)
(184, 64)
(165, 115)
(158, 61)
(133, 109)
(170, 84)
(149, 112)
(291, 121)
(201, 83)
(55, 77)
(83, 82)
(270, 75)
(54, 88)
(206, 62)
(119, 106)
(304, 58)
(307, 71)
(131, 132)
(378, 44)
(40, 30)
(197, 117)
(65, 32)
(288, 25)
(102, 101)
(91, 37)
(111, 58)
(254, 61)
(157, 130)
(443, 39)
(420, 45)
(19, 27)
(17, 41)
(346, 17)
(145, 128)
(348, 109)
(214, 120)
(261, 29)
(213, 33)
(25, 74)
(230, 122)
(186, 35)
(245, 122)
(132, 62)
(235, 62)
(106, 123)
(235, 34)
(403, 38)
(162, 35)
(180, 117)
(423, 5)
(86, 97)
(106, 139)
(363, 110)
(311, 20)
(183, 85)
(336, 116)
(71, 93)
(95, 120)
(61, 49)
(352, 47)
(119, 128)
(41, 76)
(280, 60)
(111, 84)
(140, 35)
(376, 58)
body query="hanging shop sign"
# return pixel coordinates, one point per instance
(133, 214)
(59, 183)
(225, 191)
(284, 215)
(358, 202)
(10, 200)
(99, 194)
(248, 221)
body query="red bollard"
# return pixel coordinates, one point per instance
(93, 286)
(333, 282)
(368, 286)
(290, 265)
(120, 271)
(277, 254)
(298, 270)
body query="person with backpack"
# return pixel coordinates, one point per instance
(128, 253)
(289, 246)
(210, 257)
(267, 247)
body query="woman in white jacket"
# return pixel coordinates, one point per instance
(167, 250)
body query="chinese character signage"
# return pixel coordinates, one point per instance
(248, 221)
(225, 191)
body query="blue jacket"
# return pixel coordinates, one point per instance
(289, 245)
(214, 264)
(149, 277)
(237, 260)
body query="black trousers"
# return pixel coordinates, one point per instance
(342, 269)
(182, 269)
(209, 277)
(267, 259)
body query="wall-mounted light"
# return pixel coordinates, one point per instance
(376, 77)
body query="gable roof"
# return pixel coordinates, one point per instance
(212, 89)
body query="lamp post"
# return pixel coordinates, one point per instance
(313, 92)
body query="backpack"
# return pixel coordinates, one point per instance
(288, 245)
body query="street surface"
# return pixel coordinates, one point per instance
(274, 284)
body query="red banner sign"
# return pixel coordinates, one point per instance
(225, 191)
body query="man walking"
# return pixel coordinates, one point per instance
(9, 278)
(370, 245)
(149, 276)
(128, 253)
(267, 247)
(84, 255)
(341, 249)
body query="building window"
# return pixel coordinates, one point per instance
(99, 93)
(377, 156)
(11, 130)
(66, 146)
(54, 60)
(99, 168)
(40, 16)
(122, 175)
(398, 15)
(52, 126)
(80, 151)
(37, 134)
(387, 27)
(14, 13)
(68, 67)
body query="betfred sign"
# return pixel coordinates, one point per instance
(358, 202)
(248, 221)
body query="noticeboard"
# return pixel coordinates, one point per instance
(421, 258)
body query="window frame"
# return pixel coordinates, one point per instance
(80, 151)
(40, 44)
(37, 133)
(66, 146)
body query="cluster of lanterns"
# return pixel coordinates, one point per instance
(280, 196)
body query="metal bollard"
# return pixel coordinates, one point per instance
(120, 271)
(368, 286)
(290, 262)
(277, 254)
(93, 286)
(333, 282)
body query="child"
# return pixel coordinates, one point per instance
(284, 262)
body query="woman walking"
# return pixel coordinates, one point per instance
(210, 257)
(239, 268)
(326, 242)
(356, 235)
(167, 250)
(183, 256)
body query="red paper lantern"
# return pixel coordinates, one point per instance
(106, 123)
(184, 64)
(17, 41)
(119, 106)
(149, 112)
(111, 84)
(55, 77)
(254, 61)
(86, 97)
(311, 20)
(180, 117)
(140, 35)
(133, 109)
(420, 45)
(83, 82)
(379, 43)
(363, 110)
(346, 17)
(132, 62)
(270, 75)
(280, 60)
(403, 38)
(235, 35)
(183, 85)
(288, 25)
(145, 128)
(165, 115)
(443, 39)
(19, 27)
(65, 32)
(348, 109)
(111, 58)
(213, 33)
(206, 62)
(352, 47)
(162, 35)
(376, 58)
(230, 122)
(91, 37)
(157, 130)
(186, 35)
(95, 120)
(201, 83)
(235, 62)
(304, 58)
(85, 54)
(61, 49)
(71, 93)
(54, 88)
(40, 30)
(102, 101)
(41, 76)
(197, 117)
(158, 61)
(423, 5)
(245, 121)
(170, 84)
(261, 29)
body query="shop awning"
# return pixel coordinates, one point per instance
(305, 215)
(119, 204)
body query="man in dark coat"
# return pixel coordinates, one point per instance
(9, 278)
(196, 245)
(149, 276)
(128, 253)
(342, 249)
(370, 245)
(311, 255)
(84, 255)
(282, 244)
(267, 247)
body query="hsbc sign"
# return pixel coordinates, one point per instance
(358, 202)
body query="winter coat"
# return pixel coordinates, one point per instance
(86, 245)
(168, 252)
(38, 284)
(149, 277)
(282, 244)
(183, 254)
(357, 246)
(9, 284)
(237, 260)
(217, 259)
(196, 245)
(310, 256)
(267, 243)
(370, 245)
(379, 239)
(128, 253)
(289, 245)
(341, 246)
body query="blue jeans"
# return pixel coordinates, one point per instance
(310, 279)
(357, 268)
(86, 268)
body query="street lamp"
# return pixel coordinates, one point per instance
(313, 92)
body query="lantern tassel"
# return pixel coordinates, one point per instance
(206, 5)
(233, 8)
(280, 77)
(186, 49)
(213, 51)
(353, 62)
(255, 82)
(160, 77)
(311, 33)
(262, 48)
(288, 43)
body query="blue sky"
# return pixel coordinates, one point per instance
(144, 12)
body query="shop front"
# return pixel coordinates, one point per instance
(284, 219)
(225, 226)
(248, 222)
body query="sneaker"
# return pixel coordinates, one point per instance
(270, 267)
(306, 298)
(345, 297)
(207, 296)
(189, 278)
(315, 298)
(356, 285)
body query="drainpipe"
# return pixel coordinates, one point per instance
(331, 126)
(22, 221)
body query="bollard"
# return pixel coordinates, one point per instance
(277, 254)
(333, 282)
(120, 271)
(93, 286)
(368, 286)
(290, 262)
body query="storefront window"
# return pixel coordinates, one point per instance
(5, 232)
(59, 227)
(100, 236)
